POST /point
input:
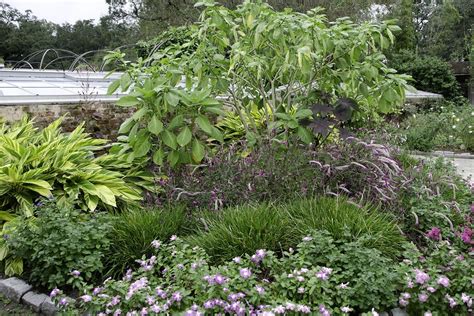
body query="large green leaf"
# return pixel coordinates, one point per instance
(128, 101)
(155, 126)
(197, 151)
(169, 139)
(204, 124)
(184, 137)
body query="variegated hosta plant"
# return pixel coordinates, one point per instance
(45, 163)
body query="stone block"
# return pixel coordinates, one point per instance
(34, 300)
(398, 312)
(48, 308)
(14, 288)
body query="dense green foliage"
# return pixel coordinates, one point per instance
(429, 73)
(24, 34)
(42, 163)
(243, 230)
(442, 126)
(244, 61)
(133, 231)
(59, 242)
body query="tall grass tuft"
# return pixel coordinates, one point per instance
(243, 230)
(133, 231)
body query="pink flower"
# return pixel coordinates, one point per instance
(173, 238)
(346, 309)
(423, 297)
(431, 289)
(405, 295)
(403, 302)
(324, 311)
(444, 281)
(177, 297)
(467, 235)
(237, 260)
(156, 244)
(343, 285)
(452, 301)
(434, 233)
(54, 292)
(86, 298)
(115, 300)
(260, 290)
(245, 273)
(428, 313)
(301, 290)
(76, 273)
(421, 277)
(63, 301)
(324, 273)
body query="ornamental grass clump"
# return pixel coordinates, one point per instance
(345, 220)
(133, 231)
(242, 230)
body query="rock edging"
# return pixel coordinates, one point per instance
(21, 292)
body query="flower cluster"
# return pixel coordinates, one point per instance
(177, 279)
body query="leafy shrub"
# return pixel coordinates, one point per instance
(448, 127)
(243, 230)
(51, 163)
(345, 220)
(178, 90)
(59, 243)
(134, 230)
(430, 73)
(323, 274)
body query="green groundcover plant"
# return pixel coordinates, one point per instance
(178, 279)
(321, 276)
(59, 243)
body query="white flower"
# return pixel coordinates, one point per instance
(454, 126)
(346, 309)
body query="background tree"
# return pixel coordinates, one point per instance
(154, 16)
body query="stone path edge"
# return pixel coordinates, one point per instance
(21, 292)
(445, 154)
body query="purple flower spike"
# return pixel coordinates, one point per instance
(434, 233)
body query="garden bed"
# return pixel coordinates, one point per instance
(264, 203)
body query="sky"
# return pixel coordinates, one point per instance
(61, 11)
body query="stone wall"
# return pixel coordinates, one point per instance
(102, 120)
